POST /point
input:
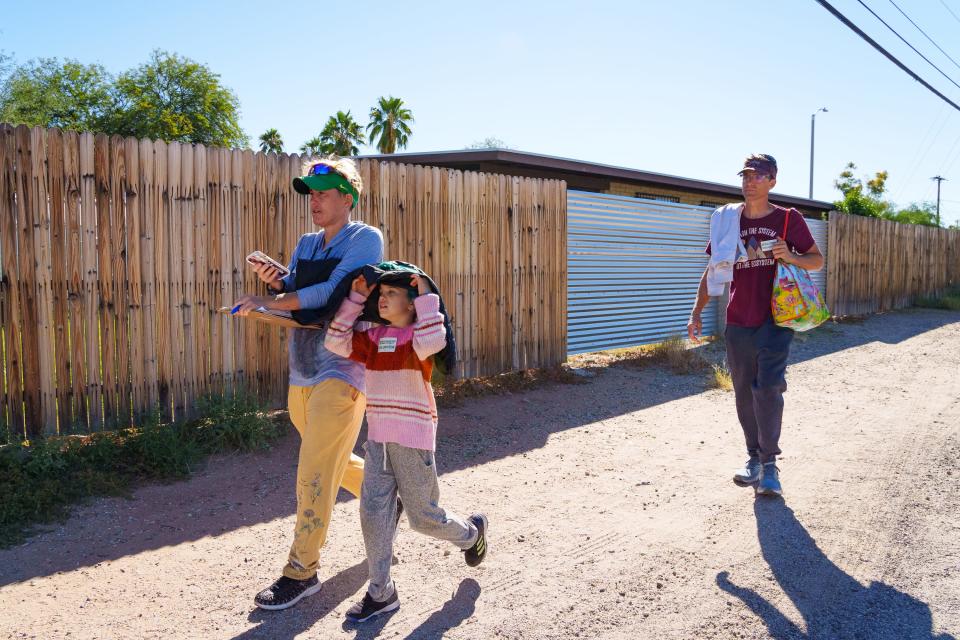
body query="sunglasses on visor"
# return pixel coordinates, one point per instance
(322, 170)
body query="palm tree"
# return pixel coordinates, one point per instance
(314, 147)
(390, 123)
(271, 142)
(342, 134)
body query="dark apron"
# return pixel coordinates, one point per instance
(308, 273)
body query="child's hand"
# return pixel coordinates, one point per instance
(423, 287)
(360, 286)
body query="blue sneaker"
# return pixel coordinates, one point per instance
(769, 483)
(749, 473)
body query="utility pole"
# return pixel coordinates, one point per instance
(939, 179)
(812, 124)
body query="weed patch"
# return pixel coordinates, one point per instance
(40, 480)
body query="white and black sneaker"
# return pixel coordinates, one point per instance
(286, 592)
(370, 608)
(475, 554)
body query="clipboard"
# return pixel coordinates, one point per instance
(276, 318)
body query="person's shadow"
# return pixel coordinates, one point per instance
(833, 605)
(455, 610)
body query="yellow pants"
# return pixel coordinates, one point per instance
(328, 416)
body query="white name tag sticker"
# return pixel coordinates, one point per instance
(387, 345)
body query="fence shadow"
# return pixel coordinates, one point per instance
(831, 603)
(242, 491)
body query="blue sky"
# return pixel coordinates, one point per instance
(685, 88)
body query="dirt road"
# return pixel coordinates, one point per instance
(612, 516)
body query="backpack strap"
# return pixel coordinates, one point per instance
(786, 219)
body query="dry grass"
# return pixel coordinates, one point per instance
(672, 354)
(452, 394)
(675, 355)
(720, 378)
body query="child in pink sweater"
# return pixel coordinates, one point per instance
(401, 430)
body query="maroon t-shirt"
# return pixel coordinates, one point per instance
(752, 284)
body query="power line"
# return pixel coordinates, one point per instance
(904, 40)
(950, 10)
(839, 16)
(918, 158)
(954, 161)
(957, 64)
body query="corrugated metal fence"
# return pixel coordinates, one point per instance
(634, 267)
(819, 230)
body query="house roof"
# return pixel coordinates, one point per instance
(579, 174)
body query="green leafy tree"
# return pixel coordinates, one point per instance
(342, 134)
(863, 200)
(878, 184)
(174, 98)
(271, 142)
(315, 147)
(6, 61)
(924, 213)
(390, 125)
(51, 93)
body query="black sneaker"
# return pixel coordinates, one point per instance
(370, 608)
(475, 554)
(286, 592)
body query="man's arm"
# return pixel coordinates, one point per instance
(695, 324)
(812, 260)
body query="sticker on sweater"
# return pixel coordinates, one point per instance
(387, 345)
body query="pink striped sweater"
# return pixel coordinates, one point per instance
(399, 362)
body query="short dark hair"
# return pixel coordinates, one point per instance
(764, 157)
(763, 163)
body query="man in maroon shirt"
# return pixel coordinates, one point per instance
(757, 349)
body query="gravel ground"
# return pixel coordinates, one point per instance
(612, 514)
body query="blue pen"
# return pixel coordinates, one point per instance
(235, 309)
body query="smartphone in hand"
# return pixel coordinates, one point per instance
(258, 258)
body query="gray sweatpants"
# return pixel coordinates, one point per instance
(757, 357)
(388, 469)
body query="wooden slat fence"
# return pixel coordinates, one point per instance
(877, 265)
(115, 254)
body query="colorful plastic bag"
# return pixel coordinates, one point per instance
(796, 303)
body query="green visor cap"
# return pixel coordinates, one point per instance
(306, 184)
